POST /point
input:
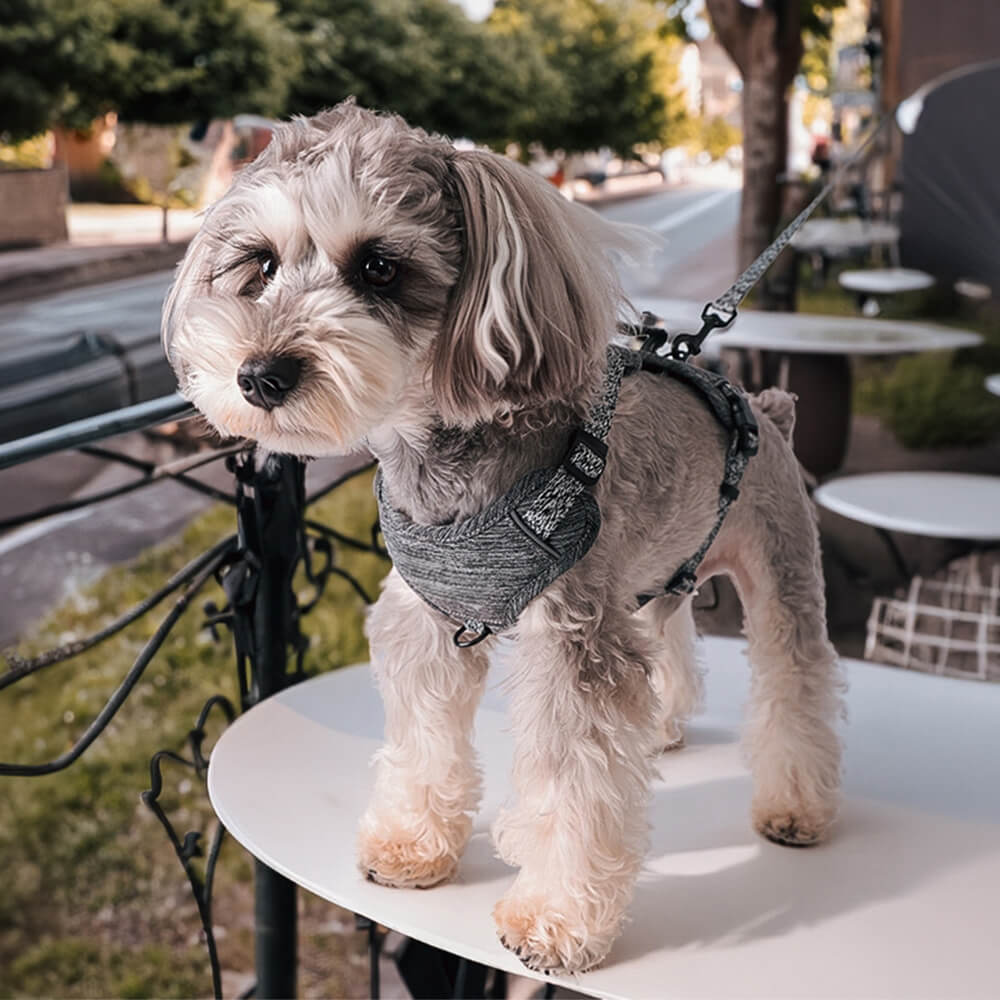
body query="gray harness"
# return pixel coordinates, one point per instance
(482, 571)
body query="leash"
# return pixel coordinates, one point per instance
(720, 313)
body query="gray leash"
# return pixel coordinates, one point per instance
(720, 312)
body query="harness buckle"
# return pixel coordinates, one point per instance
(571, 463)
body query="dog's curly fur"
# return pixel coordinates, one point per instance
(468, 370)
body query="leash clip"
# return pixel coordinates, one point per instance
(687, 345)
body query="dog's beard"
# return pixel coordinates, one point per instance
(352, 376)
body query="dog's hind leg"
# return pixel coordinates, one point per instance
(427, 784)
(584, 730)
(795, 700)
(676, 676)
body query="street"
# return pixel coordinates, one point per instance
(697, 261)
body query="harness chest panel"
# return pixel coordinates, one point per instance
(482, 571)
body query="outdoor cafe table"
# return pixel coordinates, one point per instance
(812, 353)
(902, 902)
(872, 284)
(839, 236)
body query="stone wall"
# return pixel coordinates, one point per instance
(32, 207)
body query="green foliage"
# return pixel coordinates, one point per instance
(189, 60)
(66, 61)
(930, 404)
(29, 153)
(568, 74)
(52, 53)
(718, 136)
(94, 902)
(605, 76)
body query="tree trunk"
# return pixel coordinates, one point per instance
(765, 42)
(765, 150)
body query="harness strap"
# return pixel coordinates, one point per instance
(733, 411)
(585, 459)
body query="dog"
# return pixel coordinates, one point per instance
(364, 283)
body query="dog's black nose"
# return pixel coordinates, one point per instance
(265, 382)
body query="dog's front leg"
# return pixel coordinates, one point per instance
(427, 784)
(585, 725)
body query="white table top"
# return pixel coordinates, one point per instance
(902, 902)
(844, 234)
(809, 333)
(993, 384)
(885, 280)
(938, 504)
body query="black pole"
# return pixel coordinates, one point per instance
(275, 933)
(270, 502)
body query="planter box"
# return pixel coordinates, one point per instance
(32, 207)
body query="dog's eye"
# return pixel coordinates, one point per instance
(378, 271)
(267, 262)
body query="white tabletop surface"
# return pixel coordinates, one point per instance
(844, 234)
(993, 384)
(902, 902)
(885, 280)
(939, 504)
(809, 333)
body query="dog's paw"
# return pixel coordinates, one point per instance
(790, 828)
(404, 863)
(546, 940)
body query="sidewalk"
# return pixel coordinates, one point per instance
(106, 242)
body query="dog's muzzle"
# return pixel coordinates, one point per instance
(266, 382)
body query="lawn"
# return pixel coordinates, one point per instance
(95, 903)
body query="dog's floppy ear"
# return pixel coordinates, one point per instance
(537, 297)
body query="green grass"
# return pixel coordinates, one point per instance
(94, 901)
(934, 400)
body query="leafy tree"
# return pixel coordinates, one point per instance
(718, 136)
(50, 52)
(423, 59)
(605, 76)
(766, 44)
(190, 60)
(65, 61)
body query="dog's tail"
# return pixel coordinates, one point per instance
(779, 407)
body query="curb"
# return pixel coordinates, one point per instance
(58, 269)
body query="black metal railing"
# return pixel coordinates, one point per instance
(255, 567)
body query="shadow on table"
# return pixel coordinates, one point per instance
(709, 879)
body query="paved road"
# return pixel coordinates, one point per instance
(41, 563)
(698, 226)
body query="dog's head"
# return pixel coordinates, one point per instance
(361, 274)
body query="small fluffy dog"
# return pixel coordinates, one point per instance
(365, 283)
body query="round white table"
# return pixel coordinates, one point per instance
(936, 504)
(902, 902)
(873, 284)
(885, 280)
(843, 235)
(811, 354)
(993, 384)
